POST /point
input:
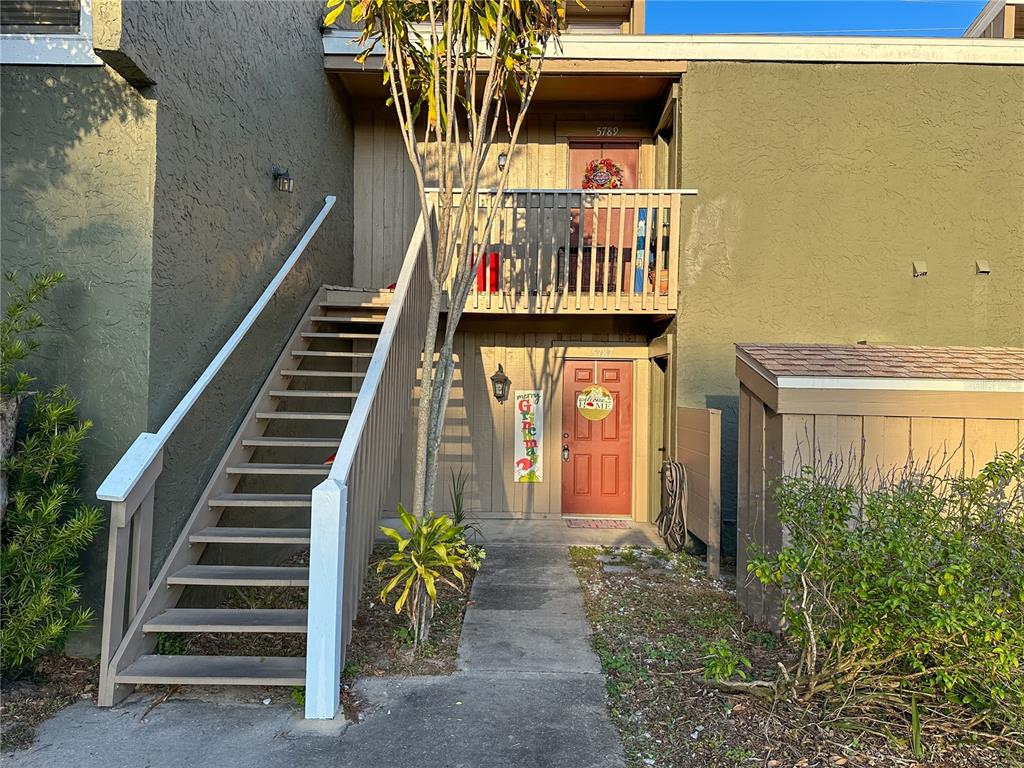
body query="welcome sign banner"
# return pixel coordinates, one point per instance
(529, 416)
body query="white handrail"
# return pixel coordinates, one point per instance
(375, 370)
(129, 469)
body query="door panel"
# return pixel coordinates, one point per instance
(595, 230)
(598, 477)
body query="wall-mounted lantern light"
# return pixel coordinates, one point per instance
(502, 160)
(283, 181)
(500, 383)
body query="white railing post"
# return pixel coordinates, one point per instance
(325, 638)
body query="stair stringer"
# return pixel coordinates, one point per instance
(161, 595)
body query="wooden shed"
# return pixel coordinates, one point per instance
(875, 406)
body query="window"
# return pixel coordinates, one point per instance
(40, 16)
(46, 32)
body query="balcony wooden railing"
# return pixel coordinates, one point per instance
(578, 251)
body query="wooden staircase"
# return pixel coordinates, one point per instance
(252, 520)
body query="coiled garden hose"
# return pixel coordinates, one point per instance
(674, 492)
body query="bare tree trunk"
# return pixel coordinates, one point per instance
(420, 502)
(9, 408)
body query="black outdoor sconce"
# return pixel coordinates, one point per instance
(500, 383)
(283, 181)
(502, 160)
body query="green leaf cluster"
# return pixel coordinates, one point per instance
(434, 552)
(908, 597)
(44, 531)
(431, 45)
(722, 662)
(17, 324)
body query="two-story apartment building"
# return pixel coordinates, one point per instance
(672, 196)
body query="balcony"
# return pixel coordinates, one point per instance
(585, 251)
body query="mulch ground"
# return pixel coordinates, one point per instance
(651, 627)
(56, 682)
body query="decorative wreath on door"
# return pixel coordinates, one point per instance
(603, 174)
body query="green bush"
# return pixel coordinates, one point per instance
(909, 599)
(435, 552)
(44, 531)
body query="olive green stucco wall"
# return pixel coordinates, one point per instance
(77, 163)
(157, 198)
(818, 186)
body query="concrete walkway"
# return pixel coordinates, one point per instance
(529, 692)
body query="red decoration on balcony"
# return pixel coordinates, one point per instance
(603, 174)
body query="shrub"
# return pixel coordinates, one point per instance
(43, 534)
(18, 325)
(435, 551)
(910, 599)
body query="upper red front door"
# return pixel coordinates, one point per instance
(597, 455)
(623, 159)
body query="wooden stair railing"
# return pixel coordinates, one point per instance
(347, 505)
(130, 603)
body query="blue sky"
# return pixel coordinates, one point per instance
(909, 18)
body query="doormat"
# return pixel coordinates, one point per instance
(597, 523)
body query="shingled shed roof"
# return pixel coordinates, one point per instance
(867, 361)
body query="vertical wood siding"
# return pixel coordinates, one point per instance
(479, 433)
(385, 202)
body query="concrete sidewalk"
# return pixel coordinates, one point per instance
(529, 693)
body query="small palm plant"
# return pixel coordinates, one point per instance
(435, 552)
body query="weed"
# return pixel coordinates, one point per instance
(723, 662)
(171, 645)
(763, 639)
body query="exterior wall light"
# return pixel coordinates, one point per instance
(500, 383)
(283, 181)
(502, 160)
(920, 269)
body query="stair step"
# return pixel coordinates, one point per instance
(310, 393)
(228, 620)
(325, 374)
(215, 670)
(303, 416)
(370, 319)
(223, 535)
(320, 353)
(290, 442)
(261, 500)
(321, 470)
(240, 576)
(352, 306)
(357, 336)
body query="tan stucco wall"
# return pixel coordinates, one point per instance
(818, 186)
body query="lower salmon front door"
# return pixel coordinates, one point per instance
(597, 452)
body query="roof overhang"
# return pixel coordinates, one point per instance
(645, 55)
